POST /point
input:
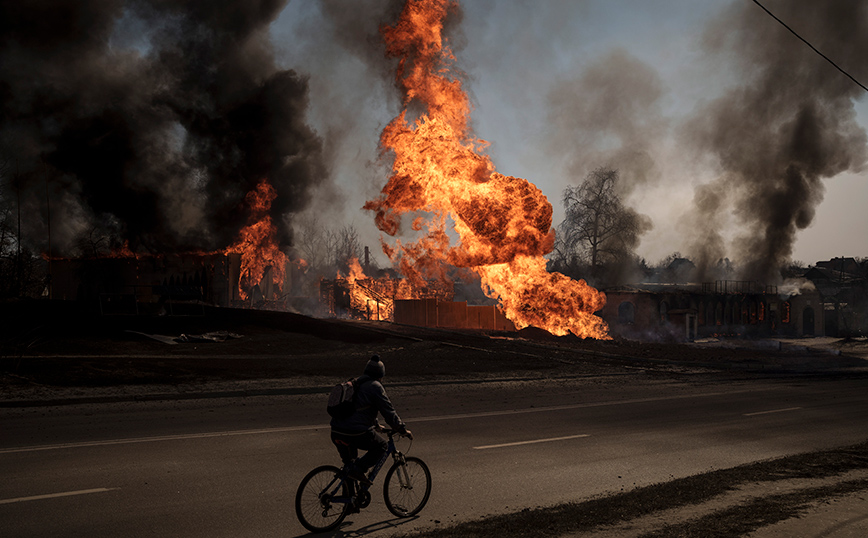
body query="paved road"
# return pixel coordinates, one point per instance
(229, 467)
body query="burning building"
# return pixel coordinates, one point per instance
(168, 142)
(400, 301)
(251, 271)
(359, 297)
(164, 284)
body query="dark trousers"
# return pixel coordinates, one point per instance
(349, 445)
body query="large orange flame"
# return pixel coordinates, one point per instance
(257, 244)
(503, 223)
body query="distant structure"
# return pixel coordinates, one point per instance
(171, 284)
(830, 299)
(682, 312)
(396, 300)
(843, 284)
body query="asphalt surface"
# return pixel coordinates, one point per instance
(229, 466)
(109, 427)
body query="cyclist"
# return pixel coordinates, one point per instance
(358, 431)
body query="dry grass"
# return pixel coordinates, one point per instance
(575, 519)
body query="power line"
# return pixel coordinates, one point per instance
(808, 44)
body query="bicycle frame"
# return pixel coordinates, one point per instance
(334, 487)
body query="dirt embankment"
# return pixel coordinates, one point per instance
(56, 345)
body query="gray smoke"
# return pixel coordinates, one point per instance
(780, 132)
(351, 81)
(609, 116)
(150, 119)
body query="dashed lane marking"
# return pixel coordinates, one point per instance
(482, 414)
(531, 442)
(184, 436)
(772, 411)
(55, 495)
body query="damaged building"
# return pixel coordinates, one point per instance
(172, 284)
(843, 283)
(651, 312)
(397, 300)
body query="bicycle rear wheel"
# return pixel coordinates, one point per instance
(313, 504)
(407, 487)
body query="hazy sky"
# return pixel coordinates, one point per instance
(562, 87)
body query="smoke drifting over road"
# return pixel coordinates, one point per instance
(150, 120)
(789, 124)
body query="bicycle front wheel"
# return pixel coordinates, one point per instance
(407, 487)
(313, 500)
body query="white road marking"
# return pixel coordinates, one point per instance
(567, 407)
(179, 437)
(56, 495)
(482, 414)
(772, 411)
(531, 442)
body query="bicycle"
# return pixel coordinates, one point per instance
(327, 494)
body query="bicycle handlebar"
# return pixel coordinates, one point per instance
(392, 432)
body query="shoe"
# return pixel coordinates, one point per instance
(359, 477)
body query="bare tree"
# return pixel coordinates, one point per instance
(7, 231)
(10, 267)
(330, 244)
(326, 251)
(598, 227)
(348, 246)
(566, 259)
(8, 242)
(310, 242)
(22, 272)
(93, 242)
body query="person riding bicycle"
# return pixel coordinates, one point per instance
(358, 431)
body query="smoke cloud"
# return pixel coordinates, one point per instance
(609, 117)
(353, 97)
(777, 135)
(150, 120)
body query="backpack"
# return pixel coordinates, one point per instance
(342, 402)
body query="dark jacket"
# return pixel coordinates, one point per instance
(371, 398)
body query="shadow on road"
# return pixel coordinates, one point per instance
(344, 532)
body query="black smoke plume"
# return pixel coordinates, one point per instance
(778, 134)
(149, 120)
